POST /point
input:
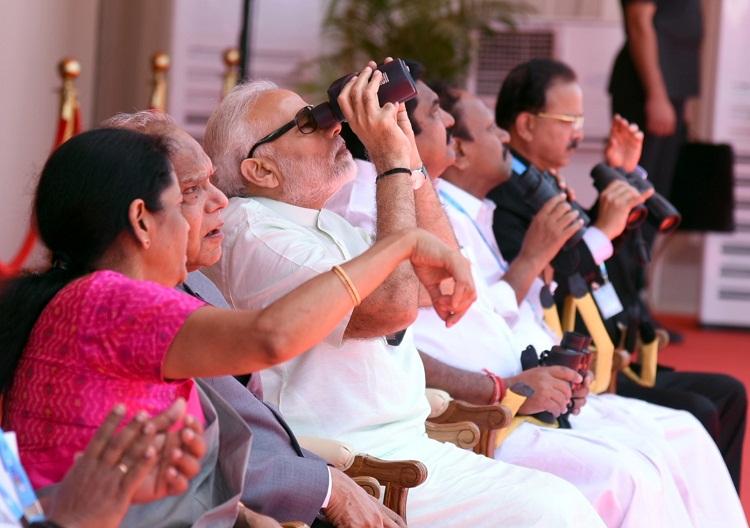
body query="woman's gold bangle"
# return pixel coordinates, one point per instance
(348, 284)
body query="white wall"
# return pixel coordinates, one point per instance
(34, 36)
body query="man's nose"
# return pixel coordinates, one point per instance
(448, 120)
(217, 200)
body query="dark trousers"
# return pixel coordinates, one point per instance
(718, 401)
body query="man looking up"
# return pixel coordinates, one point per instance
(282, 480)
(655, 446)
(355, 386)
(540, 104)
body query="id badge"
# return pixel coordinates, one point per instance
(29, 505)
(607, 300)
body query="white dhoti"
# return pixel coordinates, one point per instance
(694, 461)
(637, 463)
(468, 490)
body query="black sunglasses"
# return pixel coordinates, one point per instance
(304, 120)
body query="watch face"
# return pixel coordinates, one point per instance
(418, 177)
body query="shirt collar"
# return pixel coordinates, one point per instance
(299, 215)
(472, 205)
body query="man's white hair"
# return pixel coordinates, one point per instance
(146, 121)
(230, 134)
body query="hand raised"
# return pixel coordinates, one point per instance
(624, 144)
(381, 129)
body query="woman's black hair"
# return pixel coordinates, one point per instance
(80, 208)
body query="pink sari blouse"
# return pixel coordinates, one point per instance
(100, 341)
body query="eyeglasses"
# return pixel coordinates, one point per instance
(303, 120)
(575, 120)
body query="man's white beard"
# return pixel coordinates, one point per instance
(309, 181)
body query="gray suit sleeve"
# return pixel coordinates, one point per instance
(278, 482)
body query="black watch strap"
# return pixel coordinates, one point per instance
(396, 170)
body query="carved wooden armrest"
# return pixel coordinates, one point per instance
(370, 485)
(396, 475)
(465, 435)
(336, 454)
(488, 418)
(439, 401)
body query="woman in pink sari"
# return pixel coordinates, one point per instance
(105, 325)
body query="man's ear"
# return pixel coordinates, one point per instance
(141, 222)
(260, 172)
(525, 126)
(459, 147)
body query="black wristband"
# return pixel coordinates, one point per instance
(397, 170)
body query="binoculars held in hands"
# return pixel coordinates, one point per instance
(662, 214)
(396, 86)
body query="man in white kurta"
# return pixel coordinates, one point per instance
(634, 461)
(362, 391)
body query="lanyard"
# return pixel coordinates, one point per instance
(30, 507)
(517, 166)
(457, 206)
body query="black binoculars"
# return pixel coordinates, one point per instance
(662, 214)
(572, 352)
(396, 86)
(537, 188)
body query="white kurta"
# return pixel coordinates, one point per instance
(365, 392)
(636, 462)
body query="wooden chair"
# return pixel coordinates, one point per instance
(370, 472)
(487, 419)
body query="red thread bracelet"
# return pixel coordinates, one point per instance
(499, 392)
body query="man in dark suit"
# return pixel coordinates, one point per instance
(541, 105)
(282, 480)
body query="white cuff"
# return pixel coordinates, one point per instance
(599, 245)
(330, 487)
(504, 302)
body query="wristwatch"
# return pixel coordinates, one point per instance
(418, 177)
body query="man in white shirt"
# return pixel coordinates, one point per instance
(354, 386)
(655, 446)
